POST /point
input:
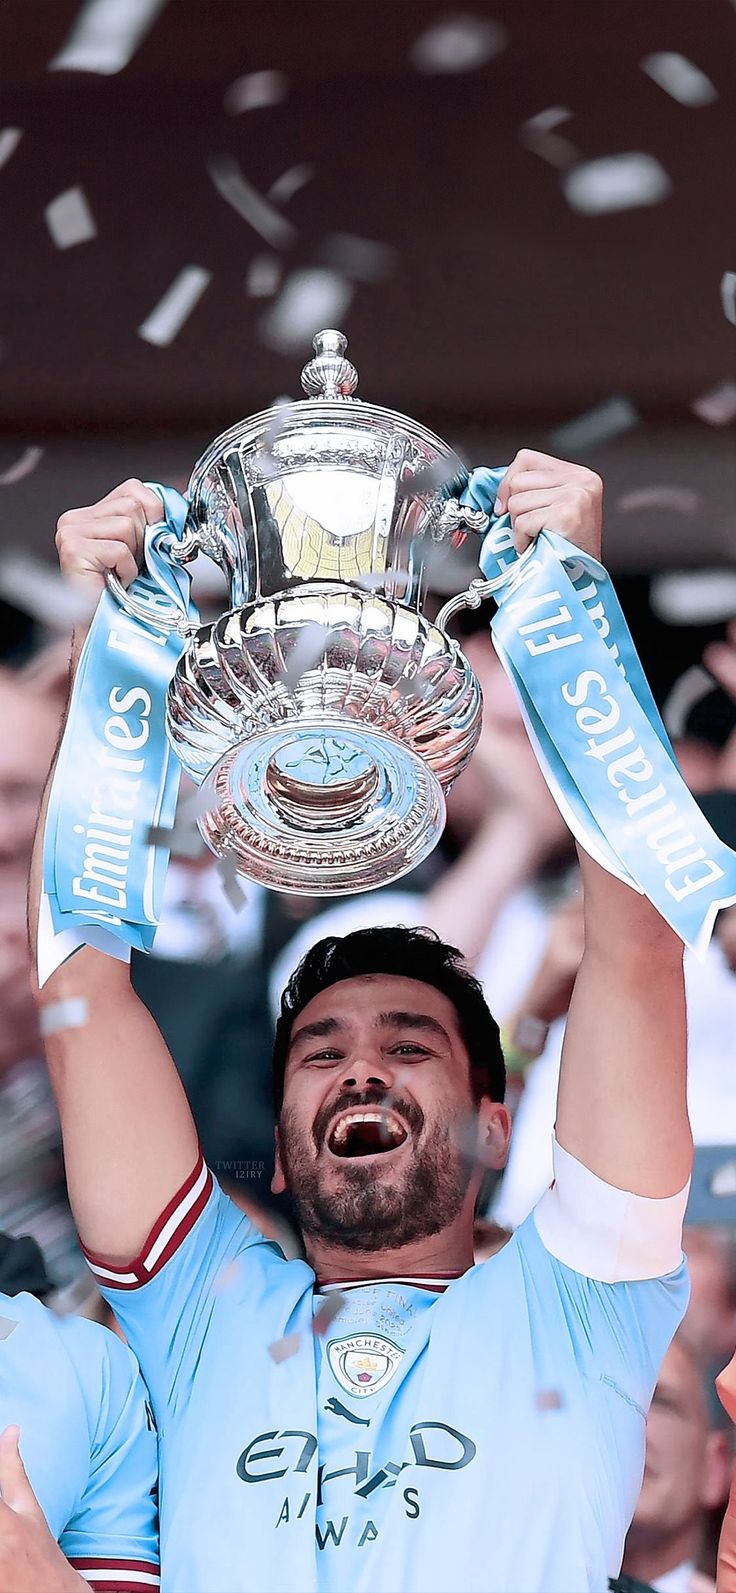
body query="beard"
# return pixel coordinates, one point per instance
(363, 1211)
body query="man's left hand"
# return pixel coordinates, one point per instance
(30, 1557)
(545, 494)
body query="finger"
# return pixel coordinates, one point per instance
(145, 498)
(15, 1488)
(90, 561)
(531, 469)
(116, 527)
(527, 526)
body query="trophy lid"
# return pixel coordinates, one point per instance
(329, 374)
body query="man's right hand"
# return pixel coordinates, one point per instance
(107, 536)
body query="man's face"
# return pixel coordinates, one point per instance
(685, 1472)
(373, 1131)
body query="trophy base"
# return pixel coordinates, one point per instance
(322, 808)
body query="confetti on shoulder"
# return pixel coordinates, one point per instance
(283, 1349)
(70, 1014)
(325, 1315)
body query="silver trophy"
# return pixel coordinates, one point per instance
(324, 715)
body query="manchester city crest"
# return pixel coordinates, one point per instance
(363, 1363)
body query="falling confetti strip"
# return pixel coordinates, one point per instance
(307, 651)
(10, 138)
(309, 299)
(232, 888)
(290, 182)
(538, 134)
(597, 425)
(548, 1399)
(42, 592)
(69, 219)
(679, 78)
(718, 405)
(457, 43)
(169, 315)
(23, 467)
(728, 296)
(694, 597)
(361, 259)
(72, 1013)
(616, 182)
(264, 276)
(682, 499)
(106, 35)
(325, 1314)
(261, 215)
(690, 689)
(255, 90)
(283, 1349)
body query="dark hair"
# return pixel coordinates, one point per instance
(413, 954)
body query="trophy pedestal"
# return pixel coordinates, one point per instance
(322, 808)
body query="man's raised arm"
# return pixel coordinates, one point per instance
(129, 1139)
(622, 1106)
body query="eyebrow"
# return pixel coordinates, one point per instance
(396, 1019)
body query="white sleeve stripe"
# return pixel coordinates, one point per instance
(604, 1233)
(109, 1274)
(119, 1576)
(169, 1229)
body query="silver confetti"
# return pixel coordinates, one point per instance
(169, 315)
(264, 275)
(69, 219)
(682, 499)
(10, 138)
(289, 183)
(41, 591)
(254, 90)
(106, 35)
(728, 296)
(72, 1013)
(23, 467)
(616, 182)
(679, 78)
(260, 214)
(538, 134)
(7, 1326)
(694, 597)
(596, 425)
(690, 689)
(310, 298)
(723, 1181)
(232, 888)
(718, 405)
(307, 651)
(459, 42)
(283, 1349)
(360, 259)
(325, 1314)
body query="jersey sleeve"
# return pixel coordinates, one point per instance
(614, 1276)
(163, 1297)
(112, 1537)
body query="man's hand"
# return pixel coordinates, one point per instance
(107, 536)
(30, 1558)
(545, 494)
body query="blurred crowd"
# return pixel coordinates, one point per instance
(503, 886)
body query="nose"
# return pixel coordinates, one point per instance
(365, 1070)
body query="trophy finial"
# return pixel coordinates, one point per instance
(329, 374)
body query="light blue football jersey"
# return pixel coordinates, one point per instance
(87, 1440)
(483, 1435)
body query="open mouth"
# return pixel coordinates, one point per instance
(366, 1131)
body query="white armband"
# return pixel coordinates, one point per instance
(606, 1233)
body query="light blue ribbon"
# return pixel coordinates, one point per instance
(563, 640)
(116, 776)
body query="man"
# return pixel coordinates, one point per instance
(71, 1393)
(478, 1428)
(686, 1475)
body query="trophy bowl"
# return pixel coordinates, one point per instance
(324, 715)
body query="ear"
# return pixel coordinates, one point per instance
(494, 1133)
(716, 1473)
(278, 1182)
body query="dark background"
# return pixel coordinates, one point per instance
(501, 313)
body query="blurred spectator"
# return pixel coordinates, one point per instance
(686, 1475)
(711, 1314)
(726, 1577)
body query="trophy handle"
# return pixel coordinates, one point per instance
(172, 622)
(478, 590)
(457, 519)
